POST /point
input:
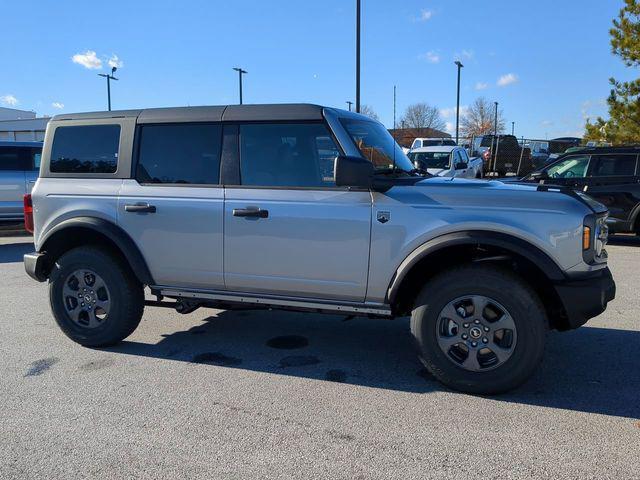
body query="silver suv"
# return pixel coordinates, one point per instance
(314, 209)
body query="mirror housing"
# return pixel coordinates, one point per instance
(539, 175)
(353, 172)
(461, 165)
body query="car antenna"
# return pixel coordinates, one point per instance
(394, 129)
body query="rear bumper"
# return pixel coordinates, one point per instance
(35, 266)
(586, 298)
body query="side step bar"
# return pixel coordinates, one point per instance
(274, 301)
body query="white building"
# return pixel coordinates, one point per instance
(21, 125)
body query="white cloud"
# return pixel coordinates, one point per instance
(450, 128)
(481, 86)
(507, 79)
(448, 113)
(114, 61)
(430, 56)
(58, 105)
(546, 123)
(88, 60)
(425, 15)
(9, 100)
(463, 55)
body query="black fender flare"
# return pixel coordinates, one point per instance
(475, 237)
(114, 233)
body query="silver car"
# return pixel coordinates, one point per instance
(314, 209)
(446, 161)
(19, 165)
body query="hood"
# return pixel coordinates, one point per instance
(438, 171)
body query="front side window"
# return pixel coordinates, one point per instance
(85, 149)
(614, 165)
(570, 167)
(376, 144)
(287, 155)
(426, 160)
(180, 154)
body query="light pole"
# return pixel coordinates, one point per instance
(109, 78)
(459, 64)
(358, 56)
(495, 121)
(349, 104)
(513, 127)
(240, 73)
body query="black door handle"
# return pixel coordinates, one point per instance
(140, 208)
(250, 212)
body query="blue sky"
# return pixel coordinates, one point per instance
(553, 56)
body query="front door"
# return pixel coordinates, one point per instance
(173, 207)
(571, 171)
(288, 229)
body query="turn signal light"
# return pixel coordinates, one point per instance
(586, 238)
(28, 213)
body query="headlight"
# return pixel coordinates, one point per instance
(595, 235)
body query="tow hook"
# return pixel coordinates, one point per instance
(186, 306)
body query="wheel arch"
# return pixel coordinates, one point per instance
(440, 253)
(78, 231)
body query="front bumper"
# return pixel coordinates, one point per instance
(587, 297)
(35, 266)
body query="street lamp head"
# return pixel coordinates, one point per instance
(459, 63)
(113, 70)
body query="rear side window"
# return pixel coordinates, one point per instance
(614, 165)
(185, 154)
(85, 149)
(15, 158)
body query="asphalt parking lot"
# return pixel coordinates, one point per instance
(217, 394)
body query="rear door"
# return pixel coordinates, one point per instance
(288, 229)
(613, 181)
(173, 206)
(13, 163)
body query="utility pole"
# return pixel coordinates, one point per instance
(495, 121)
(349, 104)
(513, 127)
(240, 73)
(358, 56)
(459, 64)
(109, 78)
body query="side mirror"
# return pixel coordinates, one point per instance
(353, 172)
(540, 175)
(461, 165)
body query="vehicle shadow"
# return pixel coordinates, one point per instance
(595, 370)
(13, 252)
(625, 240)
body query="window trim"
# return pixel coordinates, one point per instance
(136, 155)
(237, 161)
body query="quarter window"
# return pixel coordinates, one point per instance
(615, 165)
(85, 149)
(287, 155)
(184, 154)
(15, 158)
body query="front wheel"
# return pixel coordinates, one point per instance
(95, 298)
(479, 329)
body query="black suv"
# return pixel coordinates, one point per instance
(611, 175)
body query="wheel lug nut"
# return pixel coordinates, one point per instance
(465, 336)
(82, 304)
(465, 325)
(486, 329)
(474, 344)
(485, 340)
(476, 321)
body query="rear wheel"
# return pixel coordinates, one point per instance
(95, 298)
(479, 329)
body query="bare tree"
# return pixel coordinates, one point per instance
(479, 119)
(422, 115)
(369, 112)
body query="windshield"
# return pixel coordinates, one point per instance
(376, 144)
(426, 160)
(437, 142)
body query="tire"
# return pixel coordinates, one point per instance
(507, 291)
(116, 289)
